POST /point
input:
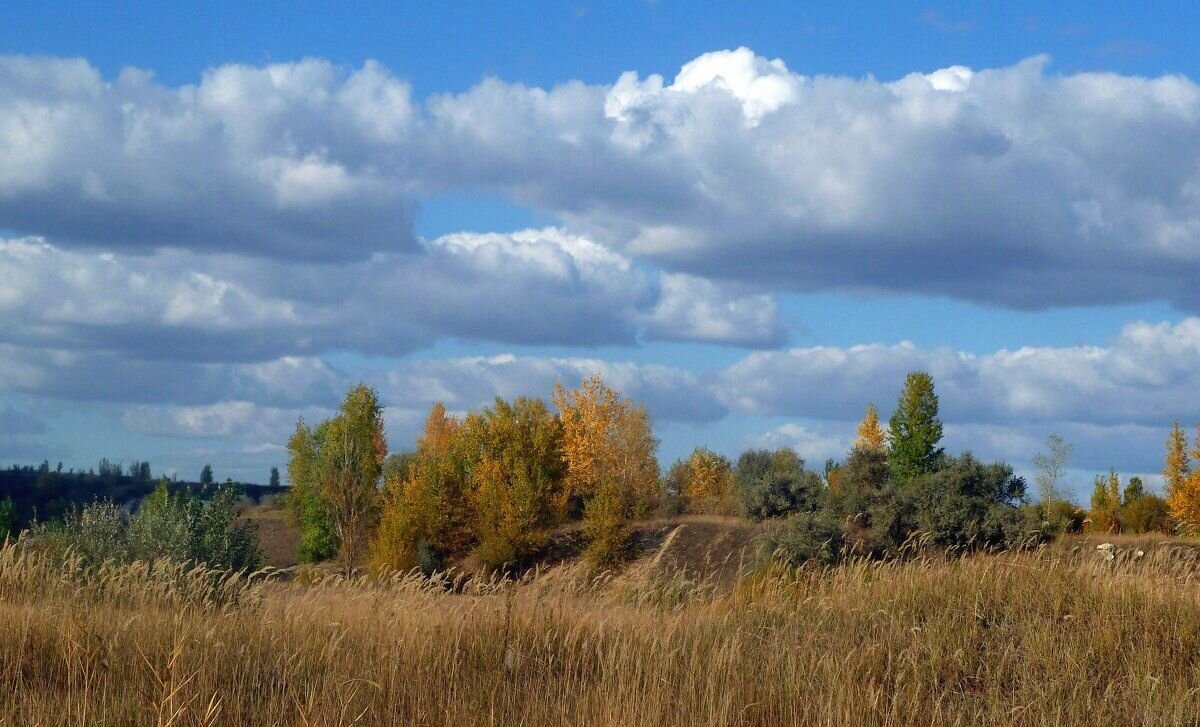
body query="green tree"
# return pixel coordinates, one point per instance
(349, 467)
(1134, 490)
(915, 429)
(302, 501)
(606, 525)
(206, 475)
(274, 479)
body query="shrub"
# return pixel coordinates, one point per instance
(964, 504)
(606, 525)
(174, 525)
(1146, 514)
(773, 484)
(806, 536)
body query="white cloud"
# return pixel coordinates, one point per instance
(671, 394)
(242, 420)
(531, 286)
(695, 309)
(1144, 376)
(1013, 186)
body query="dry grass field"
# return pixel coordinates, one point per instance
(1057, 636)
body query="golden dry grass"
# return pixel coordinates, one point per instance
(1057, 636)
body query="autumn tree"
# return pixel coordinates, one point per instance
(1105, 510)
(1182, 484)
(706, 483)
(515, 465)
(424, 513)
(915, 429)
(870, 434)
(608, 444)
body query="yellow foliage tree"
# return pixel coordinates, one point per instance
(605, 436)
(424, 514)
(871, 436)
(708, 483)
(1105, 512)
(515, 461)
(1182, 484)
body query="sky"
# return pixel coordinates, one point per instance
(215, 217)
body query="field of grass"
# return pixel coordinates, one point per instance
(1056, 636)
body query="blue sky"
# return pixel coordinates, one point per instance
(215, 216)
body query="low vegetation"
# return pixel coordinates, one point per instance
(1049, 636)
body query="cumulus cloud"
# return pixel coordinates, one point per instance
(1143, 376)
(294, 160)
(671, 394)
(1013, 186)
(530, 286)
(695, 309)
(100, 376)
(243, 420)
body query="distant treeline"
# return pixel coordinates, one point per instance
(45, 492)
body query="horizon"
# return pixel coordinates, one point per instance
(754, 222)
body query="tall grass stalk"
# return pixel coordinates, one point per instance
(1052, 636)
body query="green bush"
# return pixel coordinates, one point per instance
(179, 526)
(806, 536)
(964, 504)
(773, 484)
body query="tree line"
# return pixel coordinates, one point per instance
(495, 484)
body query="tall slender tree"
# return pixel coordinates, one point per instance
(349, 466)
(1049, 467)
(915, 429)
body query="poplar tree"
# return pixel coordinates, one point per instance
(915, 429)
(349, 467)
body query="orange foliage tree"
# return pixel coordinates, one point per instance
(706, 483)
(609, 449)
(1182, 483)
(871, 436)
(424, 515)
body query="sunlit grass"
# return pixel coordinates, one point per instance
(1056, 636)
